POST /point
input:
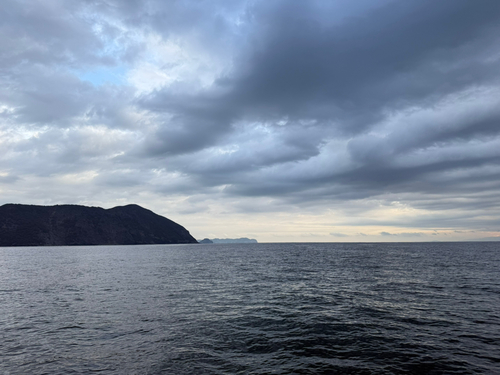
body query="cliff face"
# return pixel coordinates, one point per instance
(27, 225)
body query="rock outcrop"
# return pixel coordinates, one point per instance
(29, 225)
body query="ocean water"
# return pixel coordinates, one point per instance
(419, 308)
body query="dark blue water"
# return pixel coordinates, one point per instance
(251, 309)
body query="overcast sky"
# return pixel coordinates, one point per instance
(277, 120)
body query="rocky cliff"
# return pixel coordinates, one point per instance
(29, 225)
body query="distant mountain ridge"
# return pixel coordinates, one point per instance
(30, 225)
(233, 240)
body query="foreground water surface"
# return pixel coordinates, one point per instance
(251, 309)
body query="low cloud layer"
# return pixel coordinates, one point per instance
(284, 120)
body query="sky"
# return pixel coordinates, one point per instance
(282, 120)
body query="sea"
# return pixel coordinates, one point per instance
(289, 308)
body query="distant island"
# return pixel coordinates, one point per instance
(229, 240)
(30, 225)
(205, 240)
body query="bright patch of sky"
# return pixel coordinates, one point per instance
(173, 61)
(105, 75)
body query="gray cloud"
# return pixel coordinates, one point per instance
(403, 234)
(308, 72)
(337, 234)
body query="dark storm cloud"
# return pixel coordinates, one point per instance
(192, 123)
(402, 51)
(346, 76)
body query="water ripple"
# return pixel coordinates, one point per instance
(251, 309)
